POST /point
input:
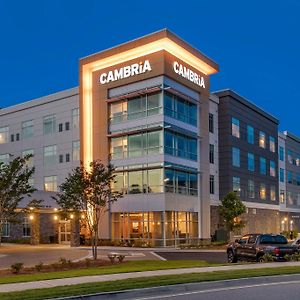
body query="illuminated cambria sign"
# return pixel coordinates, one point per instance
(188, 74)
(125, 72)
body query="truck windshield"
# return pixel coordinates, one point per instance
(273, 239)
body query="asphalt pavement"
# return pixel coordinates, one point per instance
(274, 287)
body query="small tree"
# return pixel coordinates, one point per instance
(230, 209)
(14, 186)
(89, 191)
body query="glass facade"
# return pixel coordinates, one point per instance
(150, 228)
(180, 109)
(155, 228)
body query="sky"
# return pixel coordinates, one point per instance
(256, 44)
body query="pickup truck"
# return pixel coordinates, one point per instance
(254, 246)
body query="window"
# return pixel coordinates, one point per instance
(235, 127)
(30, 162)
(298, 179)
(282, 196)
(262, 166)
(61, 158)
(50, 183)
(236, 185)
(250, 162)
(17, 136)
(75, 118)
(290, 177)
(272, 168)
(281, 153)
(281, 175)
(68, 157)
(272, 143)
(272, 193)
(60, 127)
(250, 134)
(180, 109)
(49, 124)
(262, 191)
(27, 129)
(251, 189)
(135, 145)
(211, 153)
(12, 137)
(6, 229)
(26, 227)
(236, 157)
(76, 150)
(4, 135)
(67, 126)
(290, 156)
(211, 123)
(118, 147)
(211, 184)
(50, 153)
(262, 139)
(180, 145)
(4, 158)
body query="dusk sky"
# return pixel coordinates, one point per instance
(256, 43)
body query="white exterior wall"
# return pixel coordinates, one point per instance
(59, 104)
(214, 140)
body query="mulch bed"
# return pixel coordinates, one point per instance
(59, 266)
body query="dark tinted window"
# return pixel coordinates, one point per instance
(273, 239)
(252, 239)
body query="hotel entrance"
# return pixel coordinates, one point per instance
(64, 232)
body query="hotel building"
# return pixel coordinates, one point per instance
(145, 106)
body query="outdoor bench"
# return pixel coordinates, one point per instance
(119, 256)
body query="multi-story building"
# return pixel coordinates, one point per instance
(145, 106)
(289, 180)
(248, 160)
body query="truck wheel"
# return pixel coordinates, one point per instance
(261, 259)
(231, 258)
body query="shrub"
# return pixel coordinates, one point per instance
(39, 266)
(16, 268)
(87, 262)
(63, 261)
(268, 257)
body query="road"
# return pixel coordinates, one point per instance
(275, 288)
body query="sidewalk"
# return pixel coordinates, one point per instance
(12, 287)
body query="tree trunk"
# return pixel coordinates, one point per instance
(1, 230)
(96, 244)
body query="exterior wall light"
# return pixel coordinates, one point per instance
(71, 216)
(31, 217)
(55, 218)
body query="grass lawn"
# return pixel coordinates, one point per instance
(129, 266)
(91, 288)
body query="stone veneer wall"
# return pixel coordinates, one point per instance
(257, 221)
(46, 225)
